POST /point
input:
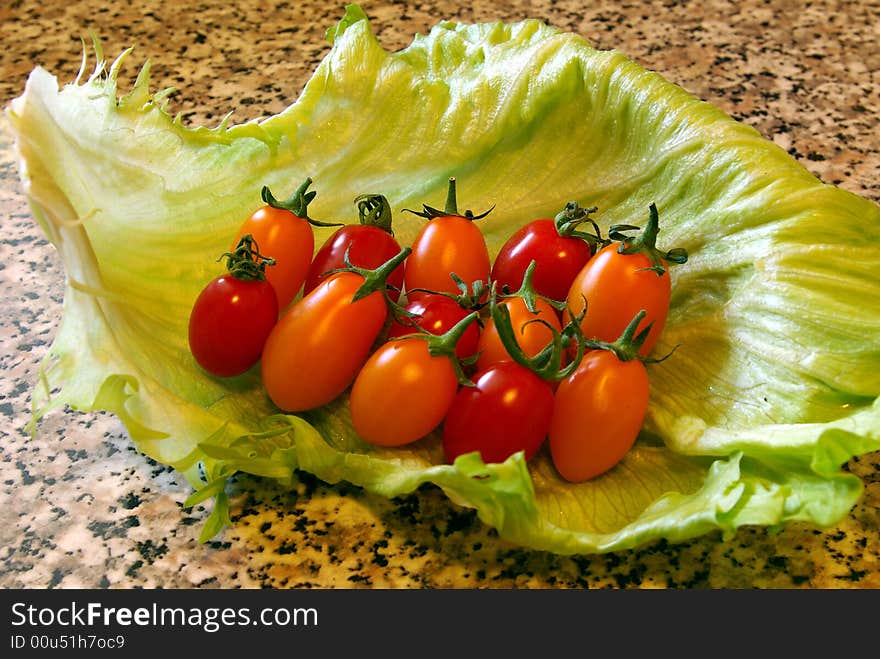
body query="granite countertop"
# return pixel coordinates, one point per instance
(81, 508)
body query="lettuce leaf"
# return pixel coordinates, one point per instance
(773, 387)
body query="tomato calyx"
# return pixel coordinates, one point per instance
(626, 346)
(529, 295)
(646, 243)
(375, 211)
(472, 299)
(551, 363)
(375, 280)
(297, 203)
(450, 209)
(573, 216)
(245, 262)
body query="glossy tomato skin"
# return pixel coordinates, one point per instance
(438, 314)
(369, 248)
(616, 287)
(288, 239)
(597, 414)
(318, 346)
(447, 244)
(230, 322)
(558, 259)
(507, 411)
(531, 335)
(402, 393)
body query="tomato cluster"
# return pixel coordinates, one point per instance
(545, 345)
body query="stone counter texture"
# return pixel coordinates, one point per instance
(81, 508)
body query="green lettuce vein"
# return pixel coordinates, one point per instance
(775, 381)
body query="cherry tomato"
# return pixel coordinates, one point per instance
(617, 284)
(317, 347)
(402, 393)
(558, 259)
(597, 414)
(368, 244)
(231, 319)
(448, 244)
(532, 334)
(437, 314)
(284, 232)
(507, 411)
(615, 287)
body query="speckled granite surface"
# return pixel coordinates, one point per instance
(80, 508)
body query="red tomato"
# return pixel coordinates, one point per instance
(318, 346)
(558, 259)
(532, 334)
(402, 393)
(597, 414)
(438, 314)
(507, 411)
(287, 236)
(369, 245)
(229, 324)
(232, 317)
(617, 285)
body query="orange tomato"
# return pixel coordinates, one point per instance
(446, 245)
(283, 231)
(402, 393)
(598, 411)
(616, 287)
(622, 279)
(317, 347)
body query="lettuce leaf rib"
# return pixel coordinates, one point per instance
(773, 384)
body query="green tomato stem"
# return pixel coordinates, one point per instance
(571, 217)
(547, 363)
(646, 243)
(297, 204)
(450, 208)
(627, 345)
(467, 298)
(374, 210)
(245, 262)
(443, 345)
(374, 280)
(529, 295)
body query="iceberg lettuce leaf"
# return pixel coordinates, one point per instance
(774, 383)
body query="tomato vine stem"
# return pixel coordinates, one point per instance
(297, 204)
(245, 262)
(646, 243)
(374, 210)
(529, 295)
(571, 217)
(450, 209)
(549, 363)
